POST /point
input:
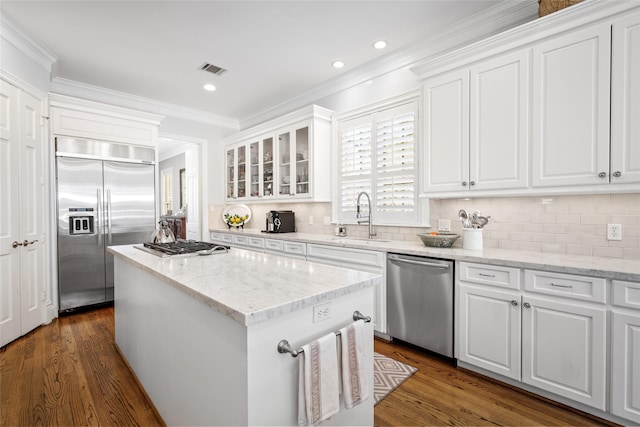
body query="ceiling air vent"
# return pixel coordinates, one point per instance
(218, 71)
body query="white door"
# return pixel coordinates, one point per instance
(489, 332)
(571, 109)
(564, 349)
(192, 166)
(625, 100)
(446, 133)
(625, 366)
(499, 118)
(22, 214)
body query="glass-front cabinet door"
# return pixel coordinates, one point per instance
(231, 173)
(301, 148)
(268, 172)
(242, 171)
(261, 174)
(293, 157)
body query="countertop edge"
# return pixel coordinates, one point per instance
(248, 319)
(608, 268)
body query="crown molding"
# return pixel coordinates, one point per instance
(108, 96)
(587, 12)
(25, 44)
(489, 22)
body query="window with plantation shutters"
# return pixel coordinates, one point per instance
(377, 154)
(166, 179)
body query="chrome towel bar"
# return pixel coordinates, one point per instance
(285, 347)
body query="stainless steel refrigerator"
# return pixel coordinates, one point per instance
(106, 196)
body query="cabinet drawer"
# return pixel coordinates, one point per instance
(274, 245)
(492, 275)
(626, 294)
(227, 238)
(566, 285)
(354, 258)
(241, 240)
(296, 248)
(216, 237)
(256, 242)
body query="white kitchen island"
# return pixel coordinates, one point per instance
(201, 332)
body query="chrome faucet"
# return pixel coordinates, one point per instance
(359, 215)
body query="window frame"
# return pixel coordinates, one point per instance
(420, 217)
(166, 173)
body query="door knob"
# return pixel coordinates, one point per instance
(15, 244)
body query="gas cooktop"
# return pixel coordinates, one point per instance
(182, 247)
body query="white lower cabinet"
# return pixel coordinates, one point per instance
(362, 260)
(625, 351)
(490, 329)
(564, 349)
(552, 334)
(489, 318)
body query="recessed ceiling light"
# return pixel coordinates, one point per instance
(337, 64)
(209, 87)
(380, 44)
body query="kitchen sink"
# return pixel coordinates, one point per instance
(357, 239)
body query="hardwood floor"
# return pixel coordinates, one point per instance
(70, 373)
(440, 394)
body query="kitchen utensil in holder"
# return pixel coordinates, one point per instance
(472, 239)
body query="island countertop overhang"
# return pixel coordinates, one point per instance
(247, 286)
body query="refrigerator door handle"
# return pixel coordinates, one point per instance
(99, 218)
(109, 215)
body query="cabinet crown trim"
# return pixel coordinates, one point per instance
(581, 14)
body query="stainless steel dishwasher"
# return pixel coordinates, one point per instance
(420, 301)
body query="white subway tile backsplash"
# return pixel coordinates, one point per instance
(573, 225)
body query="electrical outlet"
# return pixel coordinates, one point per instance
(310, 220)
(444, 225)
(327, 220)
(614, 231)
(321, 312)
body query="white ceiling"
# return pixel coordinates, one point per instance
(273, 50)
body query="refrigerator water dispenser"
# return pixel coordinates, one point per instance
(81, 225)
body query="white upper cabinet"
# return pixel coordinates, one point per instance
(499, 111)
(550, 107)
(286, 159)
(571, 109)
(446, 133)
(625, 100)
(476, 127)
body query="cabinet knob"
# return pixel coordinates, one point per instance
(602, 174)
(472, 183)
(15, 244)
(527, 305)
(617, 174)
(514, 303)
(464, 183)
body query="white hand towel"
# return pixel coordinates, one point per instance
(318, 384)
(355, 385)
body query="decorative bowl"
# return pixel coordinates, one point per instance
(440, 240)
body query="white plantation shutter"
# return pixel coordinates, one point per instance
(396, 165)
(356, 155)
(377, 154)
(167, 190)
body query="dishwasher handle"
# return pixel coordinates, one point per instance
(421, 263)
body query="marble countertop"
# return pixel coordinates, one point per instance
(247, 286)
(609, 268)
